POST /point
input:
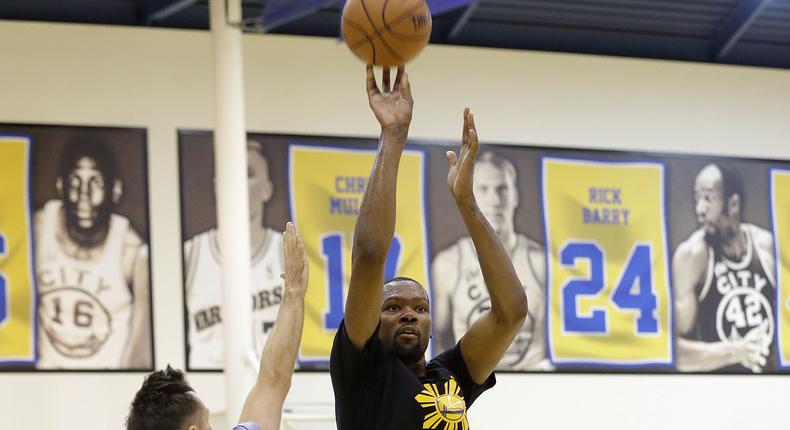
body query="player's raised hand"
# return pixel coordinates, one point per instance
(462, 167)
(391, 106)
(295, 261)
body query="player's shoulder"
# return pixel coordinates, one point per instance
(536, 252)
(38, 219)
(693, 249)
(533, 246)
(48, 209)
(763, 239)
(452, 254)
(131, 238)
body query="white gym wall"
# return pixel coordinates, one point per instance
(161, 80)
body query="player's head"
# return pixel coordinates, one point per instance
(87, 182)
(258, 182)
(165, 402)
(495, 191)
(405, 319)
(718, 199)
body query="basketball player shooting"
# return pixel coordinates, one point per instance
(379, 373)
(91, 269)
(723, 283)
(459, 293)
(166, 401)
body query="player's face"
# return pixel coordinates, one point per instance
(86, 196)
(405, 320)
(709, 201)
(258, 183)
(496, 196)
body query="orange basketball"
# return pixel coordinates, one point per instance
(386, 32)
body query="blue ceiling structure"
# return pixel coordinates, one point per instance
(743, 32)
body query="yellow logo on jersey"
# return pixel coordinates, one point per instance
(449, 407)
(780, 204)
(17, 290)
(608, 289)
(327, 185)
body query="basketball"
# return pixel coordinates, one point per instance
(386, 32)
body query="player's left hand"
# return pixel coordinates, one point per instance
(294, 261)
(462, 168)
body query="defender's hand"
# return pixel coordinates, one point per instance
(462, 168)
(294, 261)
(393, 109)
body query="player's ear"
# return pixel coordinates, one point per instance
(515, 195)
(734, 204)
(59, 187)
(268, 190)
(117, 191)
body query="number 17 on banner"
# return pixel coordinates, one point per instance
(609, 300)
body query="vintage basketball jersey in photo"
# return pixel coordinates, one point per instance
(84, 305)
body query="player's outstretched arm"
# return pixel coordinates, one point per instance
(264, 404)
(376, 222)
(688, 271)
(488, 338)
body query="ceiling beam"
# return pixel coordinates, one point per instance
(167, 11)
(736, 26)
(458, 24)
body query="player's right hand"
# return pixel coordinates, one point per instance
(392, 108)
(752, 350)
(295, 264)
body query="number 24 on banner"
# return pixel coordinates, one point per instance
(608, 290)
(637, 271)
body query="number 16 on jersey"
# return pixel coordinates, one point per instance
(608, 301)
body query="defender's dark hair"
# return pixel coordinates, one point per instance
(85, 146)
(163, 402)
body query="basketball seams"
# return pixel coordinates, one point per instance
(383, 13)
(380, 33)
(365, 38)
(395, 21)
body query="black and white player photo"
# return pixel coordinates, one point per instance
(722, 266)
(91, 248)
(266, 179)
(506, 189)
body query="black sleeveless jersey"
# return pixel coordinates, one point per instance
(737, 298)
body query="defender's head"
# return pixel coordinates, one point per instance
(405, 319)
(167, 402)
(718, 199)
(495, 191)
(88, 184)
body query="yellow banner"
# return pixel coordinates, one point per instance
(17, 290)
(327, 185)
(608, 292)
(780, 205)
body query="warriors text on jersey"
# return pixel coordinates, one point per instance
(469, 297)
(737, 298)
(204, 296)
(85, 306)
